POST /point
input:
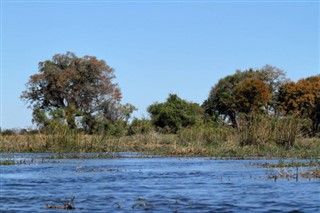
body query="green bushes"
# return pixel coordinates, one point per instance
(175, 114)
(138, 126)
(7, 132)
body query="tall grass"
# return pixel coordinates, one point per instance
(262, 129)
(260, 136)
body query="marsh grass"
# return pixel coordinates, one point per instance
(268, 138)
(312, 173)
(7, 162)
(189, 142)
(293, 172)
(285, 169)
(262, 129)
(292, 163)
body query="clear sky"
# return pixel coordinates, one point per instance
(156, 47)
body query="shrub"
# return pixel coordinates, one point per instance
(175, 114)
(8, 132)
(139, 126)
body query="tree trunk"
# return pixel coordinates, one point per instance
(233, 119)
(316, 119)
(315, 124)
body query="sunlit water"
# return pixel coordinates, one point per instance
(152, 185)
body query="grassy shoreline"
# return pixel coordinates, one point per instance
(157, 144)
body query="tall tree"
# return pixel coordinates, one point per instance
(302, 99)
(273, 77)
(224, 99)
(221, 100)
(252, 95)
(76, 86)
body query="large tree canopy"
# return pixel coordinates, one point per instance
(73, 86)
(302, 99)
(251, 95)
(243, 92)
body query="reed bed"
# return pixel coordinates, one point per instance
(215, 142)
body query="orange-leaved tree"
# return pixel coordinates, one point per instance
(302, 99)
(243, 92)
(252, 95)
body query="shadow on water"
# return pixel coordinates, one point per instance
(132, 184)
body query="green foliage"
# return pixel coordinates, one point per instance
(72, 96)
(100, 125)
(175, 114)
(114, 111)
(68, 89)
(245, 92)
(40, 118)
(7, 132)
(140, 126)
(222, 99)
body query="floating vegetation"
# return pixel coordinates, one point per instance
(7, 162)
(283, 173)
(99, 156)
(66, 206)
(84, 170)
(286, 173)
(142, 203)
(291, 169)
(27, 161)
(117, 206)
(312, 173)
(287, 164)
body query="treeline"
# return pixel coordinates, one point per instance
(256, 105)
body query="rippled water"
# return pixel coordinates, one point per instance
(152, 185)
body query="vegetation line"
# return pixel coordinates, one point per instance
(189, 142)
(256, 112)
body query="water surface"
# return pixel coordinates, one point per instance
(152, 185)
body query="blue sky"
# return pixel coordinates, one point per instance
(156, 47)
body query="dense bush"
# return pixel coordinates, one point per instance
(7, 132)
(139, 126)
(175, 114)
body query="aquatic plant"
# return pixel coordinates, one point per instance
(67, 206)
(142, 203)
(193, 141)
(312, 173)
(7, 162)
(283, 164)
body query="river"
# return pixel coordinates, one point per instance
(157, 184)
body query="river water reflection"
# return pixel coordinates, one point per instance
(152, 185)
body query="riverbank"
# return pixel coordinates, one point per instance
(155, 143)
